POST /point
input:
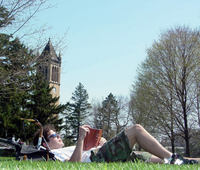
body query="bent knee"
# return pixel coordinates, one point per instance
(137, 126)
(134, 128)
(132, 133)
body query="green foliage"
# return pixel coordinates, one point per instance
(76, 112)
(16, 61)
(107, 116)
(109, 109)
(14, 57)
(10, 108)
(5, 17)
(42, 106)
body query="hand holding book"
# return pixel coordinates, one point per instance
(92, 138)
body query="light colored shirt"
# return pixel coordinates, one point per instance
(64, 154)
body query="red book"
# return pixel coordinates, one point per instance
(92, 139)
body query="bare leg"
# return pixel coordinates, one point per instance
(153, 158)
(137, 134)
(197, 159)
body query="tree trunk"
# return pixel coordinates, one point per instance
(79, 114)
(198, 114)
(186, 133)
(184, 106)
(187, 146)
(172, 141)
(172, 123)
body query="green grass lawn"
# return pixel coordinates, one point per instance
(8, 163)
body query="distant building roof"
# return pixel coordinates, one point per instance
(49, 52)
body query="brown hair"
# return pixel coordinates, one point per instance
(46, 130)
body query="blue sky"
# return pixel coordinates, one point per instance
(107, 39)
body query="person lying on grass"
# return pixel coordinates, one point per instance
(119, 148)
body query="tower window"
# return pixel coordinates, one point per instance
(55, 74)
(46, 72)
(52, 74)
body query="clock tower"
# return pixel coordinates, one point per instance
(50, 67)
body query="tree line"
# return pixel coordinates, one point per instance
(164, 97)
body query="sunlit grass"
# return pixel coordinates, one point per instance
(8, 163)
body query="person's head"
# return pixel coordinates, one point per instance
(52, 138)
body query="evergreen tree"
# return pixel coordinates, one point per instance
(109, 110)
(18, 98)
(69, 137)
(14, 56)
(6, 18)
(16, 62)
(42, 105)
(98, 115)
(77, 112)
(110, 115)
(10, 111)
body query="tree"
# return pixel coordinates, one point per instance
(68, 138)
(110, 115)
(78, 110)
(15, 61)
(14, 16)
(17, 14)
(42, 105)
(141, 104)
(14, 56)
(10, 111)
(109, 110)
(6, 18)
(121, 118)
(98, 115)
(172, 72)
(147, 108)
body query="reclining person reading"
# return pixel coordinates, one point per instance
(119, 148)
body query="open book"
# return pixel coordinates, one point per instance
(92, 139)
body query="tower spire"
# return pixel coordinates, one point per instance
(51, 67)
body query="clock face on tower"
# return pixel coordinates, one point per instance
(54, 90)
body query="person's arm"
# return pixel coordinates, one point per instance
(40, 134)
(77, 154)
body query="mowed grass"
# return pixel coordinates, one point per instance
(8, 163)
